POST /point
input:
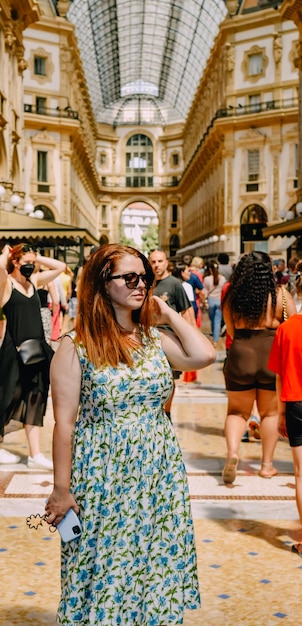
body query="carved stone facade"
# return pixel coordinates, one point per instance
(250, 119)
(123, 184)
(60, 132)
(14, 17)
(47, 127)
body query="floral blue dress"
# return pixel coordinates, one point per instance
(135, 563)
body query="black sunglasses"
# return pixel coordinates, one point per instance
(131, 279)
(28, 248)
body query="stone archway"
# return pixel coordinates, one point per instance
(139, 226)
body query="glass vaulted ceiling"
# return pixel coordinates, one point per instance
(143, 59)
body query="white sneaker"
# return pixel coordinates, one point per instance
(7, 458)
(39, 462)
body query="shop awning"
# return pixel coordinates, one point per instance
(288, 227)
(15, 228)
(282, 243)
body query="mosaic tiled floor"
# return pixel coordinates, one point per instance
(248, 574)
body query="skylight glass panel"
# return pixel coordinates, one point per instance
(153, 47)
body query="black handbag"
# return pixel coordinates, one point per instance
(31, 351)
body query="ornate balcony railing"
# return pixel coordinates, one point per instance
(257, 107)
(66, 112)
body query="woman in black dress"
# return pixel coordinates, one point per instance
(24, 388)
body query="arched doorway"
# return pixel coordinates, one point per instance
(139, 227)
(253, 220)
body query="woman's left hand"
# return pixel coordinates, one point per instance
(57, 505)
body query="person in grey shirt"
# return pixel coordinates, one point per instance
(169, 289)
(224, 266)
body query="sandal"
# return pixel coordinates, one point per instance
(230, 470)
(297, 549)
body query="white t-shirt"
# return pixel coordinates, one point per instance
(189, 290)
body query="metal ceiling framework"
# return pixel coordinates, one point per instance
(152, 48)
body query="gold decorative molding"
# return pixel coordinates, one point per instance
(277, 48)
(22, 63)
(254, 50)
(15, 137)
(295, 55)
(3, 121)
(9, 36)
(275, 207)
(229, 186)
(49, 66)
(229, 57)
(62, 7)
(251, 139)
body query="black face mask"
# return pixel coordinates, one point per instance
(27, 269)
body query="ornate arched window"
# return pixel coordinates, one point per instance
(48, 214)
(254, 214)
(253, 220)
(139, 161)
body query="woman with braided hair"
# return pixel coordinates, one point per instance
(253, 309)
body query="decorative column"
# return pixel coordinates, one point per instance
(276, 172)
(291, 10)
(277, 51)
(298, 64)
(65, 182)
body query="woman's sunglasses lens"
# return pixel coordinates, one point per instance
(132, 280)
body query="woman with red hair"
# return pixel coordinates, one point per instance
(117, 462)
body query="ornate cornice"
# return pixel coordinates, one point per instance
(15, 17)
(292, 10)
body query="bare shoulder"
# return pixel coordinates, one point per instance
(66, 359)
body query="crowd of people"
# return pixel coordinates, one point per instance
(126, 328)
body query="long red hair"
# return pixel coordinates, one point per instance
(96, 326)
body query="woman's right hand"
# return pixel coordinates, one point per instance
(161, 312)
(4, 256)
(57, 505)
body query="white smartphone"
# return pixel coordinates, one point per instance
(70, 526)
